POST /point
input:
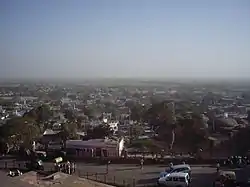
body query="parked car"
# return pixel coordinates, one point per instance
(14, 173)
(225, 178)
(183, 168)
(175, 180)
(236, 161)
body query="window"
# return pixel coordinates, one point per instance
(175, 178)
(186, 169)
(168, 178)
(179, 169)
(105, 153)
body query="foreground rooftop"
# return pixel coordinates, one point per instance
(33, 179)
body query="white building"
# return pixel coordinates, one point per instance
(113, 126)
(66, 100)
(95, 148)
(205, 120)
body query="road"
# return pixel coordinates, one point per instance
(202, 176)
(132, 175)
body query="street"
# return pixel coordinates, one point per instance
(133, 175)
(148, 175)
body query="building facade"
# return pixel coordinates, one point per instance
(95, 148)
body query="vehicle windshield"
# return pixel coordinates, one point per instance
(168, 170)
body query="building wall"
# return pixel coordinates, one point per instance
(95, 150)
(92, 152)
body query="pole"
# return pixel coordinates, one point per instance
(133, 182)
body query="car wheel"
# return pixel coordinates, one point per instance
(159, 184)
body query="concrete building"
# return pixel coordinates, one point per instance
(94, 148)
(113, 126)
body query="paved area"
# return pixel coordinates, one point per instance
(5, 181)
(149, 174)
(132, 175)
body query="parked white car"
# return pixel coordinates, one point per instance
(183, 168)
(174, 180)
(15, 172)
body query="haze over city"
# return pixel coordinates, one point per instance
(138, 93)
(124, 39)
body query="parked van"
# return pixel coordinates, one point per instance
(174, 180)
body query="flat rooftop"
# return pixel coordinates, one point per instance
(92, 143)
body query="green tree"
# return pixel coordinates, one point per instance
(4, 147)
(135, 131)
(162, 119)
(20, 130)
(241, 141)
(145, 146)
(89, 112)
(70, 115)
(158, 114)
(137, 112)
(39, 114)
(192, 132)
(69, 131)
(100, 131)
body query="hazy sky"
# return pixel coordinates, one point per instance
(129, 38)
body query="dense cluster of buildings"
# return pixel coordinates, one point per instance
(222, 109)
